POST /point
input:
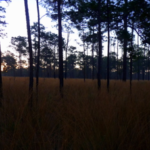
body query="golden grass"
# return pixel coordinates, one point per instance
(85, 119)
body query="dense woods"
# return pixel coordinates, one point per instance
(56, 95)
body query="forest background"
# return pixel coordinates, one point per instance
(75, 48)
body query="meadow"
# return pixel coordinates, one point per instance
(84, 119)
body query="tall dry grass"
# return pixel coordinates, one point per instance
(85, 119)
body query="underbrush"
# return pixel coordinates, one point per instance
(84, 119)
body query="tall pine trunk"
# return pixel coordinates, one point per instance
(30, 54)
(131, 61)
(66, 55)
(100, 45)
(35, 59)
(20, 64)
(148, 64)
(1, 90)
(38, 55)
(86, 64)
(93, 56)
(117, 63)
(54, 64)
(143, 68)
(117, 57)
(125, 43)
(83, 54)
(60, 46)
(138, 59)
(108, 28)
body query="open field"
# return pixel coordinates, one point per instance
(85, 119)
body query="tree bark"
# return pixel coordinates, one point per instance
(131, 61)
(54, 64)
(83, 55)
(100, 45)
(20, 64)
(30, 54)
(117, 62)
(38, 56)
(35, 54)
(66, 55)
(117, 57)
(108, 28)
(93, 56)
(125, 43)
(148, 64)
(143, 72)
(138, 59)
(1, 90)
(60, 46)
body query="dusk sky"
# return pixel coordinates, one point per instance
(15, 17)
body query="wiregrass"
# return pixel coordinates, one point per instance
(84, 119)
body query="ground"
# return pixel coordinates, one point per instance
(85, 118)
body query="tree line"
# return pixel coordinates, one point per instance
(78, 63)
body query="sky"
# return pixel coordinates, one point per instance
(15, 17)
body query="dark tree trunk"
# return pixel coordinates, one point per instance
(45, 69)
(117, 57)
(143, 72)
(131, 61)
(108, 23)
(38, 55)
(100, 45)
(50, 70)
(117, 62)
(138, 59)
(84, 64)
(1, 90)
(30, 53)
(14, 72)
(138, 68)
(66, 55)
(35, 61)
(125, 43)
(87, 62)
(20, 64)
(60, 46)
(47, 73)
(54, 65)
(83, 55)
(148, 64)
(93, 56)
(72, 69)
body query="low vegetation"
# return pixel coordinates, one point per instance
(84, 119)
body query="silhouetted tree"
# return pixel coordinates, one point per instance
(38, 55)
(20, 45)
(100, 44)
(2, 34)
(10, 61)
(30, 53)
(1, 91)
(108, 28)
(60, 45)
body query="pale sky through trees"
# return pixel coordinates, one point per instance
(15, 17)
